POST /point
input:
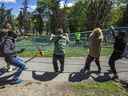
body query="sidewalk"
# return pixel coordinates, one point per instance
(41, 69)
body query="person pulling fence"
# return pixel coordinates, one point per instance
(118, 50)
(60, 41)
(10, 55)
(95, 39)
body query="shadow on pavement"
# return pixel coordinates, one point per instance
(5, 80)
(78, 77)
(2, 71)
(124, 84)
(102, 78)
(47, 76)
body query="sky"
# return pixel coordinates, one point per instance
(17, 4)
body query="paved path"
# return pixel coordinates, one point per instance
(41, 69)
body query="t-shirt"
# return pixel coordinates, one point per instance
(77, 35)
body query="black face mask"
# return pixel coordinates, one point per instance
(12, 34)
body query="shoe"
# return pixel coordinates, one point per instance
(82, 70)
(110, 71)
(85, 71)
(115, 77)
(16, 81)
(10, 69)
(56, 71)
(61, 71)
(99, 71)
(25, 68)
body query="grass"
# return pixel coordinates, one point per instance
(48, 50)
(98, 89)
(70, 52)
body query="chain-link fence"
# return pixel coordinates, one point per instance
(33, 41)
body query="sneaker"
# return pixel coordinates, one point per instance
(16, 81)
(62, 70)
(25, 68)
(56, 71)
(82, 70)
(99, 71)
(10, 69)
(115, 77)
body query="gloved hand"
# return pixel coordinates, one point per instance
(22, 50)
(52, 36)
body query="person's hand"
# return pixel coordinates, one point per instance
(22, 50)
(52, 36)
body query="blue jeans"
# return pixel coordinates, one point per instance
(18, 62)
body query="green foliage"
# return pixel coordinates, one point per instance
(53, 5)
(116, 16)
(84, 14)
(77, 17)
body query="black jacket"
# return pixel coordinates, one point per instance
(119, 44)
(9, 48)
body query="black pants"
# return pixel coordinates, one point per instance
(113, 58)
(88, 63)
(59, 58)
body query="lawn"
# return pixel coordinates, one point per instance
(48, 50)
(70, 52)
(98, 89)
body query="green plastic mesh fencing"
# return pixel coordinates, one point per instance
(30, 43)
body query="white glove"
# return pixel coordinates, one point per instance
(52, 36)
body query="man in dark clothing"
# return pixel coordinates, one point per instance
(11, 57)
(118, 47)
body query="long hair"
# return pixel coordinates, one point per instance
(7, 25)
(97, 34)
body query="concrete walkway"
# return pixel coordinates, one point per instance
(41, 69)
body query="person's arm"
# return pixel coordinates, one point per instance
(52, 37)
(7, 48)
(113, 32)
(67, 37)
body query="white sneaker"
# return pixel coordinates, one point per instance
(10, 69)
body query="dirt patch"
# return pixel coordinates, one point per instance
(29, 88)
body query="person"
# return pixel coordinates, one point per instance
(125, 54)
(10, 55)
(60, 41)
(118, 49)
(6, 28)
(77, 38)
(95, 39)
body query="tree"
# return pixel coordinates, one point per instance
(124, 20)
(57, 17)
(98, 12)
(116, 16)
(77, 17)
